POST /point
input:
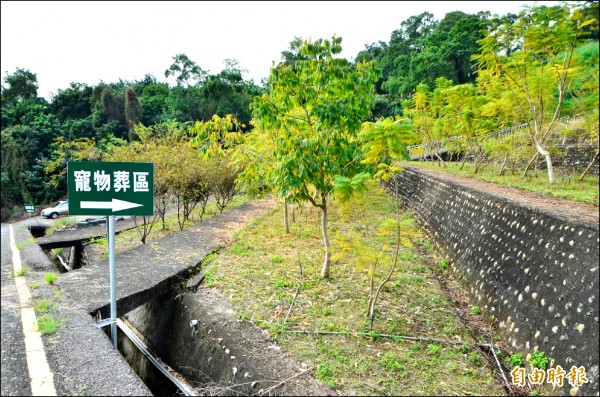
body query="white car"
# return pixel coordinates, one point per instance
(59, 208)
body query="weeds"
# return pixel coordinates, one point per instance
(443, 266)
(585, 191)
(48, 324)
(412, 303)
(60, 224)
(42, 306)
(539, 360)
(21, 272)
(516, 360)
(50, 277)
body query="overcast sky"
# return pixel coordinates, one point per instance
(90, 42)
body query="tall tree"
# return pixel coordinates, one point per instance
(72, 102)
(317, 105)
(185, 71)
(133, 111)
(537, 76)
(19, 86)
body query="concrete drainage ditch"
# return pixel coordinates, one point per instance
(198, 339)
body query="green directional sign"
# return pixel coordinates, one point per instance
(29, 208)
(110, 188)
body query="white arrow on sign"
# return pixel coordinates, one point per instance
(114, 205)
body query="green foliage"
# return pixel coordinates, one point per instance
(443, 265)
(315, 126)
(390, 361)
(309, 118)
(475, 310)
(435, 54)
(475, 358)
(50, 278)
(185, 70)
(61, 223)
(346, 188)
(532, 82)
(42, 306)
(384, 142)
(539, 360)
(48, 324)
(516, 360)
(19, 86)
(325, 373)
(434, 349)
(22, 272)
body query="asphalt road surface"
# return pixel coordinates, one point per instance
(15, 375)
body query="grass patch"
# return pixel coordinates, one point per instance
(48, 324)
(566, 186)
(42, 306)
(21, 272)
(61, 224)
(411, 304)
(50, 278)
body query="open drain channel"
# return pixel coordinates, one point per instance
(167, 371)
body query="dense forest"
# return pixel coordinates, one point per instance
(467, 75)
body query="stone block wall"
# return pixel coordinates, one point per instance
(575, 157)
(535, 273)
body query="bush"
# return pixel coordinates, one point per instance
(539, 360)
(516, 360)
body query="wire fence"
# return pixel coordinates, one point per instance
(423, 150)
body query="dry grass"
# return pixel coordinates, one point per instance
(261, 273)
(567, 185)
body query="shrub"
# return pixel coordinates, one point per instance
(515, 360)
(539, 360)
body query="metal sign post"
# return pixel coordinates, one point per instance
(29, 208)
(110, 188)
(113, 278)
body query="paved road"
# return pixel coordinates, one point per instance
(15, 378)
(81, 359)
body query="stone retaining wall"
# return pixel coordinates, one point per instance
(533, 274)
(577, 158)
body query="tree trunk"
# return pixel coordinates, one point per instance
(529, 164)
(327, 262)
(589, 167)
(479, 157)
(503, 165)
(285, 216)
(546, 154)
(440, 160)
(464, 160)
